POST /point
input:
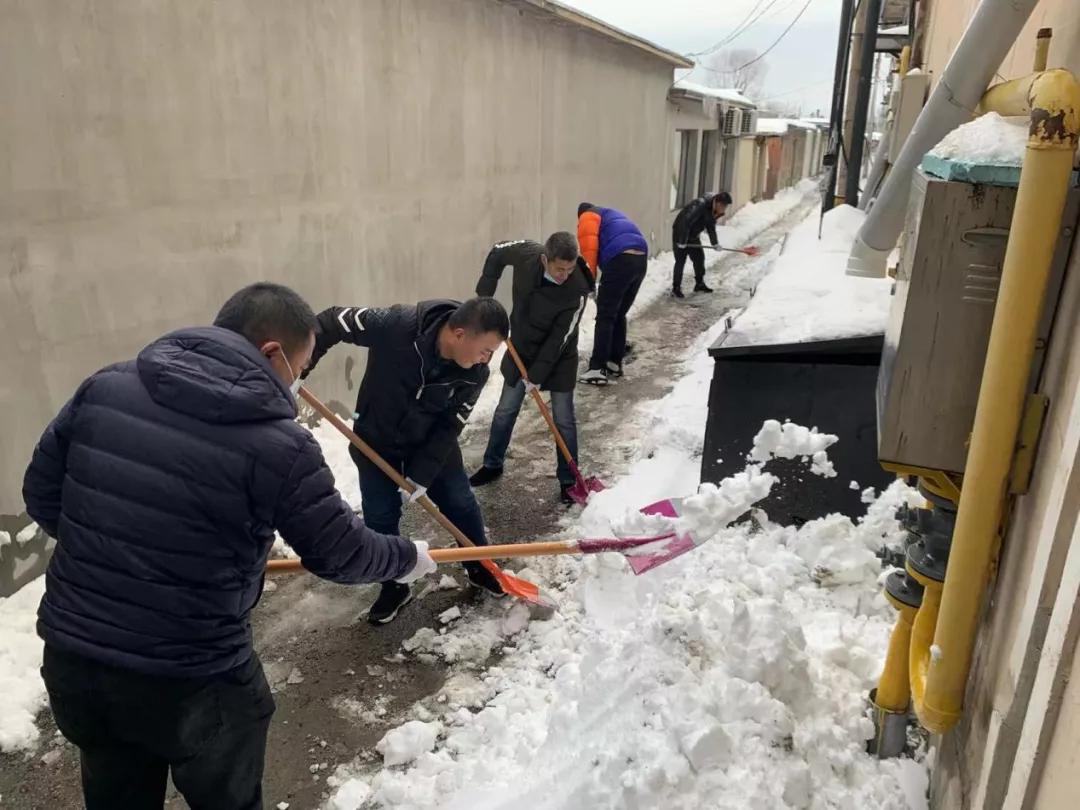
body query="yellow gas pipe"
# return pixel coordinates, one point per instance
(1052, 101)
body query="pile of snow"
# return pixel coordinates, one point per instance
(808, 296)
(989, 140)
(22, 693)
(405, 743)
(732, 677)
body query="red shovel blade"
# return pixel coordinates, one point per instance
(584, 487)
(751, 250)
(518, 587)
(647, 557)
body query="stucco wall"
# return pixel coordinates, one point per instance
(156, 156)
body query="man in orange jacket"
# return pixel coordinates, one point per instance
(610, 242)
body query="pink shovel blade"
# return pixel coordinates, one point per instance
(646, 558)
(584, 487)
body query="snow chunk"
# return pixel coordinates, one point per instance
(935, 653)
(706, 748)
(989, 140)
(407, 742)
(26, 534)
(794, 441)
(22, 692)
(350, 795)
(450, 614)
(448, 583)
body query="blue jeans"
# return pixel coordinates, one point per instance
(450, 491)
(506, 414)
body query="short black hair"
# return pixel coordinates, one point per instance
(561, 246)
(581, 209)
(724, 197)
(265, 311)
(480, 316)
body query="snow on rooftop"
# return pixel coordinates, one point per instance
(731, 95)
(808, 296)
(895, 31)
(989, 140)
(778, 126)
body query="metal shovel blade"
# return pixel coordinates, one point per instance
(584, 487)
(645, 558)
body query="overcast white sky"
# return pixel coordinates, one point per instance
(800, 67)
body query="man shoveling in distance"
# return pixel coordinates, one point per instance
(426, 366)
(698, 215)
(163, 480)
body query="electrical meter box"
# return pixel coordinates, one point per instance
(952, 251)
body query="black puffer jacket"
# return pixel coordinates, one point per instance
(163, 480)
(695, 217)
(545, 316)
(412, 404)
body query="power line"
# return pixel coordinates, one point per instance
(745, 25)
(761, 55)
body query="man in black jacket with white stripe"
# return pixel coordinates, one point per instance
(426, 366)
(550, 287)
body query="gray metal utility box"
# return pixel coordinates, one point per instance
(939, 324)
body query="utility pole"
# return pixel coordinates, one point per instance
(862, 101)
(855, 71)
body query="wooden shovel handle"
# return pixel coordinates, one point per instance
(543, 409)
(452, 555)
(382, 464)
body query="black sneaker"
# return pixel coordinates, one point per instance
(393, 597)
(614, 369)
(677, 293)
(701, 286)
(480, 577)
(564, 494)
(485, 475)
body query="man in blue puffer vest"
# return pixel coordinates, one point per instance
(613, 245)
(163, 481)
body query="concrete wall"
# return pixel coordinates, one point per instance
(156, 156)
(689, 113)
(979, 762)
(1017, 745)
(948, 20)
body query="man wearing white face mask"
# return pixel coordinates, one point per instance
(550, 287)
(164, 480)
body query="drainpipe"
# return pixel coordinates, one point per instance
(1052, 100)
(992, 31)
(1042, 48)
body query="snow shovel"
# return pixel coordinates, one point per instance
(749, 250)
(583, 487)
(643, 553)
(515, 586)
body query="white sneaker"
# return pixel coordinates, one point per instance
(594, 376)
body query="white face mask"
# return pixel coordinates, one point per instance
(294, 386)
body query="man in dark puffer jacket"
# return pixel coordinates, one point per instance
(163, 480)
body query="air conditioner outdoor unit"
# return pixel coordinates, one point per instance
(731, 121)
(749, 122)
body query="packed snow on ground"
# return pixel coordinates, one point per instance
(989, 140)
(807, 294)
(733, 677)
(22, 693)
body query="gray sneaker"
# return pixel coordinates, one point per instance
(594, 376)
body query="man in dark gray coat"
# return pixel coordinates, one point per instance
(550, 287)
(163, 481)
